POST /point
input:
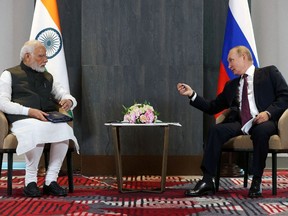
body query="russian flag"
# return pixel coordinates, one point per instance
(239, 31)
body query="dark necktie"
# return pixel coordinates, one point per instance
(245, 110)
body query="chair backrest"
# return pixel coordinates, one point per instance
(4, 128)
(283, 129)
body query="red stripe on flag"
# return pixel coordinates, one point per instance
(222, 79)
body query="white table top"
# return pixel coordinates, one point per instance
(127, 124)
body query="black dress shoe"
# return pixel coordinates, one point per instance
(54, 189)
(32, 190)
(202, 188)
(255, 189)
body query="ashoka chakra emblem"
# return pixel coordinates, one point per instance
(52, 40)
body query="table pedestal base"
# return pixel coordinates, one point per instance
(118, 160)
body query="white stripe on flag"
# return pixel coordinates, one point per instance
(56, 63)
(241, 13)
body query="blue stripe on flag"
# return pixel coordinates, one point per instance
(233, 37)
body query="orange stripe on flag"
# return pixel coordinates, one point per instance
(52, 8)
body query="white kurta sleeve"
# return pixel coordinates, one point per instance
(6, 105)
(61, 93)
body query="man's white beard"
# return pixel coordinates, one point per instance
(37, 68)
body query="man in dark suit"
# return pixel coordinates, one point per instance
(268, 99)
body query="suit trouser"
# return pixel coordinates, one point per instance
(221, 133)
(57, 154)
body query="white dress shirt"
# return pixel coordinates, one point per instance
(251, 98)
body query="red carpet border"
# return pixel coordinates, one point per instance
(99, 196)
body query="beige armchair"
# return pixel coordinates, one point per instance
(277, 144)
(8, 144)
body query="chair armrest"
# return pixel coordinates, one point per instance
(222, 116)
(3, 127)
(283, 128)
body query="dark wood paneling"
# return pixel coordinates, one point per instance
(141, 165)
(136, 32)
(215, 13)
(113, 87)
(139, 50)
(118, 51)
(70, 18)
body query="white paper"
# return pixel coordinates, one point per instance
(247, 126)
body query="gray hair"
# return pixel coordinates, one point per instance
(29, 47)
(244, 50)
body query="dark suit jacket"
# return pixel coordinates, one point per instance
(270, 91)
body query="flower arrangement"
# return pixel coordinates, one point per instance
(140, 113)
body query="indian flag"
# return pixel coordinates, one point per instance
(46, 28)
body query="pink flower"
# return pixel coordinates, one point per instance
(140, 113)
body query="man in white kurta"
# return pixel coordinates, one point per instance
(27, 92)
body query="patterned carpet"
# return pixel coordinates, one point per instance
(99, 196)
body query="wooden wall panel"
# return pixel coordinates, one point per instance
(118, 51)
(139, 50)
(70, 19)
